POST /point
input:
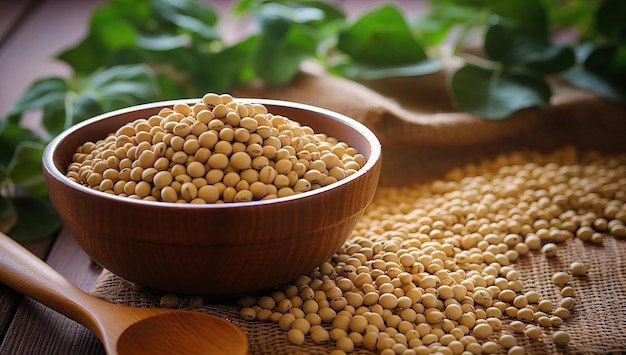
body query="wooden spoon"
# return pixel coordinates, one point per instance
(122, 329)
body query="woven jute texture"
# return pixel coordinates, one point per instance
(421, 141)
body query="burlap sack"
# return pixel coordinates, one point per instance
(422, 138)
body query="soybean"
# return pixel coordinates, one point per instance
(578, 269)
(205, 143)
(560, 338)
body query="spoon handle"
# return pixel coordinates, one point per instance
(29, 275)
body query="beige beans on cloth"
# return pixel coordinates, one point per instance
(465, 236)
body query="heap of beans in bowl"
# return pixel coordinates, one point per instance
(215, 151)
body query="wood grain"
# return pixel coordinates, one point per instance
(36, 329)
(9, 299)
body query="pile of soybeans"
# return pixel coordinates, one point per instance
(218, 150)
(431, 268)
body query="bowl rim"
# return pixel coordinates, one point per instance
(374, 157)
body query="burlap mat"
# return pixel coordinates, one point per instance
(421, 144)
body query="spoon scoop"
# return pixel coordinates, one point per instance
(121, 329)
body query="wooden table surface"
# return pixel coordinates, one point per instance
(31, 33)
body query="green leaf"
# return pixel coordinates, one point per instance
(103, 90)
(54, 120)
(571, 14)
(356, 71)
(444, 19)
(163, 41)
(169, 89)
(244, 6)
(87, 56)
(83, 106)
(188, 15)
(103, 79)
(456, 3)
(321, 19)
(121, 86)
(607, 87)
(274, 25)
(25, 168)
(517, 48)
(10, 137)
(36, 219)
(494, 95)
(126, 56)
(331, 12)
(497, 46)
(135, 11)
(611, 19)
(297, 14)
(607, 61)
(528, 16)
(6, 209)
(381, 38)
(109, 32)
(112, 30)
(48, 92)
(550, 59)
(275, 20)
(277, 61)
(235, 67)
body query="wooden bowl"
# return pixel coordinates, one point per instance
(212, 250)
